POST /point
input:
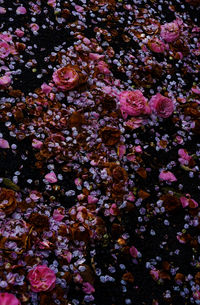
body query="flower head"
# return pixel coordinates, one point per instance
(133, 103)
(66, 78)
(170, 31)
(42, 278)
(8, 299)
(163, 106)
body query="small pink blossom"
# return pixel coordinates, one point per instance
(133, 103)
(196, 90)
(4, 143)
(78, 181)
(133, 252)
(155, 274)
(8, 299)
(59, 214)
(92, 199)
(163, 106)
(184, 157)
(19, 33)
(88, 288)
(21, 10)
(2, 10)
(188, 201)
(34, 27)
(167, 176)
(103, 67)
(170, 31)
(6, 37)
(66, 78)
(138, 149)
(96, 56)
(5, 80)
(4, 49)
(131, 197)
(79, 8)
(46, 88)
(68, 256)
(114, 211)
(37, 144)
(41, 278)
(51, 3)
(121, 150)
(134, 123)
(51, 177)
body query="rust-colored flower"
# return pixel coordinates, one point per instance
(14, 235)
(39, 221)
(117, 172)
(8, 202)
(110, 135)
(171, 202)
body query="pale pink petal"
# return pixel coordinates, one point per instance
(51, 177)
(4, 143)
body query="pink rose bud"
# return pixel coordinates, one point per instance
(4, 143)
(155, 274)
(170, 31)
(103, 67)
(59, 214)
(78, 181)
(21, 10)
(19, 33)
(184, 201)
(161, 105)
(133, 103)
(88, 288)
(92, 199)
(184, 157)
(37, 144)
(34, 27)
(4, 49)
(131, 197)
(138, 149)
(41, 278)
(121, 150)
(5, 81)
(133, 252)
(8, 299)
(167, 176)
(79, 8)
(95, 56)
(51, 177)
(2, 10)
(46, 89)
(51, 3)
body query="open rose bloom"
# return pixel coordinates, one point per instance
(66, 78)
(41, 278)
(161, 105)
(8, 299)
(170, 31)
(133, 103)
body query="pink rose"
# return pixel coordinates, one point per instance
(4, 49)
(51, 177)
(103, 67)
(167, 176)
(37, 144)
(184, 157)
(66, 78)
(21, 10)
(8, 299)
(170, 31)
(133, 252)
(187, 201)
(59, 214)
(41, 278)
(133, 103)
(5, 81)
(156, 45)
(4, 143)
(88, 288)
(163, 106)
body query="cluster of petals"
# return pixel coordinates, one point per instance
(41, 278)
